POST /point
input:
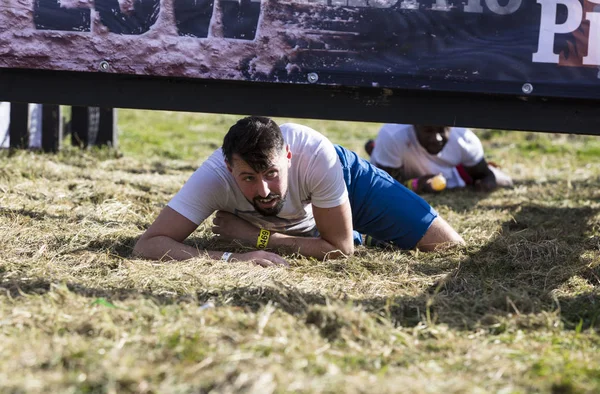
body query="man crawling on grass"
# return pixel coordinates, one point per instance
(289, 188)
(429, 159)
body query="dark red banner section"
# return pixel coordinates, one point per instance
(546, 47)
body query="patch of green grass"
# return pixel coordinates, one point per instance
(589, 152)
(191, 136)
(171, 135)
(540, 144)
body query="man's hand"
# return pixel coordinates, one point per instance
(425, 184)
(260, 257)
(334, 225)
(230, 227)
(486, 184)
(488, 177)
(493, 179)
(163, 240)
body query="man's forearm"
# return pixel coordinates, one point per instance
(486, 184)
(308, 246)
(395, 173)
(230, 227)
(165, 248)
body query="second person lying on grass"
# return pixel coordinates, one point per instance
(433, 158)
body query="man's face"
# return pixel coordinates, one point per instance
(265, 190)
(432, 138)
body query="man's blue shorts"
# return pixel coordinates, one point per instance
(381, 206)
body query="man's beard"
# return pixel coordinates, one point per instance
(274, 211)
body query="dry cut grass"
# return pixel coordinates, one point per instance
(515, 311)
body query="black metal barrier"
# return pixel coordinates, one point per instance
(567, 115)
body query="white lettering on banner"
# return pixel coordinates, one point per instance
(409, 5)
(593, 56)
(509, 8)
(475, 6)
(441, 5)
(549, 28)
(351, 3)
(357, 3)
(382, 3)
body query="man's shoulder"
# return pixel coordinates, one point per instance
(216, 159)
(463, 136)
(397, 128)
(461, 132)
(296, 128)
(395, 134)
(466, 144)
(213, 169)
(301, 137)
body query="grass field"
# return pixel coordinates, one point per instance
(516, 311)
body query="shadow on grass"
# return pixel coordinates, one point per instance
(251, 299)
(546, 260)
(465, 200)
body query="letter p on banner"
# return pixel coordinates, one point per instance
(593, 56)
(549, 28)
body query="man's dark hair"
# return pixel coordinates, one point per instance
(256, 139)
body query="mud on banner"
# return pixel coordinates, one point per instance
(423, 44)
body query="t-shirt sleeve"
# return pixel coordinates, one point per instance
(199, 197)
(325, 178)
(387, 151)
(471, 149)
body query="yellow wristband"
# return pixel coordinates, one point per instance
(263, 239)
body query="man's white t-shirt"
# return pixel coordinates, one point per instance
(314, 178)
(397, 146)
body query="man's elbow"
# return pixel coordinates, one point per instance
(440, 236)
(348, 250)
(140, 250)
(342, 251)
(441, 244)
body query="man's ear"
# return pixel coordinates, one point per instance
(228, 166)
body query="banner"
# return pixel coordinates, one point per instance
(463, 45)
